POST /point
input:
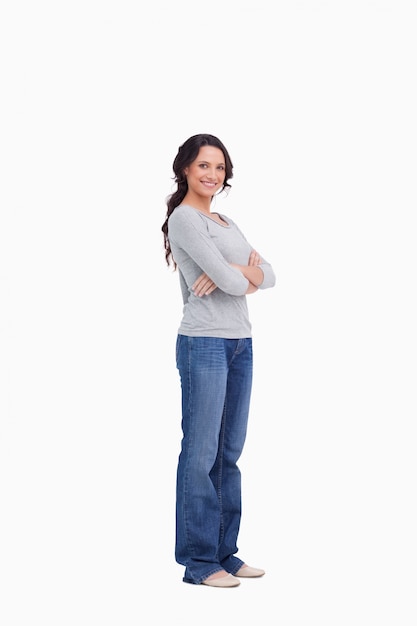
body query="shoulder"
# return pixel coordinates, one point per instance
(182, 212)
(185, 222)
(183, 215)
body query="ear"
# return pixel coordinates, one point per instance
(185, 171)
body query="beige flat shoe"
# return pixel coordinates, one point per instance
(249, 572)
(223, 581)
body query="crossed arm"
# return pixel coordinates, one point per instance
(204, 286)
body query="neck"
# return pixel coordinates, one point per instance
(202, 204)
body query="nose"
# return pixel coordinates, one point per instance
(211, 173)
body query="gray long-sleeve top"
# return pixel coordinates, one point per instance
(200, 244)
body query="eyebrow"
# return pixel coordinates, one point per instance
(208, 162)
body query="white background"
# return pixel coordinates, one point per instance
(316, 103)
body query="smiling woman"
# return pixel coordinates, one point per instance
(217, 268)
(205, 176)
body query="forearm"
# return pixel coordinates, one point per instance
(253, 273)
(251, 289)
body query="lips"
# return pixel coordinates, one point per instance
(207, 184)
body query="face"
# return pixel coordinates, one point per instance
(205, 175)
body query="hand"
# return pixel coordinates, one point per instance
(203, 286)
(254, 258)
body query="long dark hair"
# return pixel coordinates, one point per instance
(187, 153)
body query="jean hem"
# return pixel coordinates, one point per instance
(191, 581)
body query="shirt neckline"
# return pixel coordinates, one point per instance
(226, 223)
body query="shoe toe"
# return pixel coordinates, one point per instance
(224, 581)
(250, 572)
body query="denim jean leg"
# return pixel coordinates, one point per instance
(216, 376)
(203, 371)
(232, 439)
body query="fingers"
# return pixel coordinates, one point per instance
(203, 286)
(254, 258)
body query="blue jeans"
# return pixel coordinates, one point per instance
(216, 383)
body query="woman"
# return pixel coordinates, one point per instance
(217, 269)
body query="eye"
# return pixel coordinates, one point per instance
(221, 167)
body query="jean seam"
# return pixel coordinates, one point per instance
(190, 445)
(220, 472)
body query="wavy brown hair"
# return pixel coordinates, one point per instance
(187, 153)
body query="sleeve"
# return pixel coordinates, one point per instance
(268, 272)
(184, 288)
(269, 276)
(187, 231)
